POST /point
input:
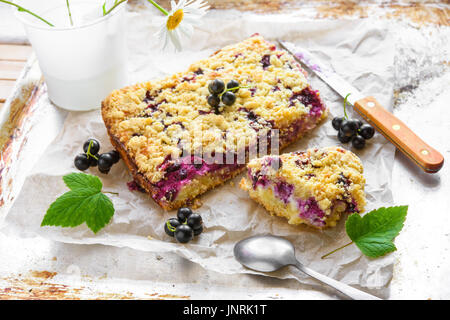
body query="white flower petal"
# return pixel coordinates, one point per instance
(187, 30)
(193, 10)
(174, 37)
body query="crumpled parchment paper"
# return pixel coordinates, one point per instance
(362, 51)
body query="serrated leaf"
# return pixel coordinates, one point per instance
(65, 211)
(373, 233)
(102, 211)
(84, 203)
(83, 181)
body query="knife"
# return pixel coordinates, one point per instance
(393, 129)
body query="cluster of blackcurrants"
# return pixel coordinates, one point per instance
(185, 226)
(91, 157)
(353, 130)
(221, 94)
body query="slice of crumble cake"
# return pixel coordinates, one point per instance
(177, 146)
(313, 187)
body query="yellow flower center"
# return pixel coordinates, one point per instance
(175, 19)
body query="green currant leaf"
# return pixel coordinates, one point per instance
(83, 181)
(84, 203)
(374, 232)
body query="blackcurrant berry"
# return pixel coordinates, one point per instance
(233, 84)
(95, 147)
(228, 98)
(342, 137)
(358, 142)
(115, 156)
(194, 221)
(184, 233)
(92, 161)
(214, 100)
(104, 170)
(366, 131)
(171, 225)
(183, 214)
(349, 127)
(105, 161)
(336, 122)
(198, 231)
(217, 86)
(359, 123)
(81, 161)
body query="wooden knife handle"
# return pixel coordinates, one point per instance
(400, 135)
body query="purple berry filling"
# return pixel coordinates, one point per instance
(154, 106)
(302, 162)
(310, 211)
(258, 179)
(344, 181)
(352, 207)
(309, 97)
(182, 171)
(283, 191)
(274, 162)
(148, 97)
(133, 186)
(265, 61)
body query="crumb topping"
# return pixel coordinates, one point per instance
(327, 175)
(164, 117)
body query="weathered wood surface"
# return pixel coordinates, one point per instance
(419, 12)
(12, 61)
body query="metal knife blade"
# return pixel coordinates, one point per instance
(327, 74)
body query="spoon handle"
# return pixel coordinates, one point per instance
(339, 286)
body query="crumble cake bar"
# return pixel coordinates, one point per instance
(313, 187)
(155, 125)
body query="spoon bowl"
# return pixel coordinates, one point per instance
(268, 253)
(265, 253)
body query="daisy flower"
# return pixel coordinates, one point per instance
(180, 20)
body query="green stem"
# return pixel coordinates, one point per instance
(345, 104)
(116, 4)
(159, 7)
(70, 13)
(234, 88)
(22, 9)
(110, 192)
(89, 154)
(345, 245)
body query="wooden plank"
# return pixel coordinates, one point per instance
(14, 52)
(10, 70)
(6, 87)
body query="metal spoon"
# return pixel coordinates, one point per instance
(268, 253)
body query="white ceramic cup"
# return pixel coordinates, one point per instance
(82, 63)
